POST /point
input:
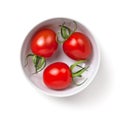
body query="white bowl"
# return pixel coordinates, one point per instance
(37, 79)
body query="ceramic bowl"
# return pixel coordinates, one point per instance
(37, 79)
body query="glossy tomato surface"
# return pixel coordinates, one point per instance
(57, 76)
(44, 43)
(77, 46)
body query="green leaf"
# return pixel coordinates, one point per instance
(76, 63)
(57, 39)
(65, 32)
(36, 60)
(40, 64)
(80, 72)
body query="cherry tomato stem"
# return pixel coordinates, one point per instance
(39, 62)
(79, 72)
(76, 63)
(60, 41)
(75, 28)
(66, 31)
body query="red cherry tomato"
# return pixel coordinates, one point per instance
(77, 46)
(57, 76)
(44, 43)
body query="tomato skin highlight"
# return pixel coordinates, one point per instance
(77, 46)
(44, 43)
(57, 76)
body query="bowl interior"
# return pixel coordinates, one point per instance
(37, 79)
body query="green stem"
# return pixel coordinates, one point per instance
(66, 31)
(79, 72)
(76, 63)
(80, 66)
(29, 55)
(75, 28)
(39, 62)
(41, 65)
(60, 41)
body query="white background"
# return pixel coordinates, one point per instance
(19, 99)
